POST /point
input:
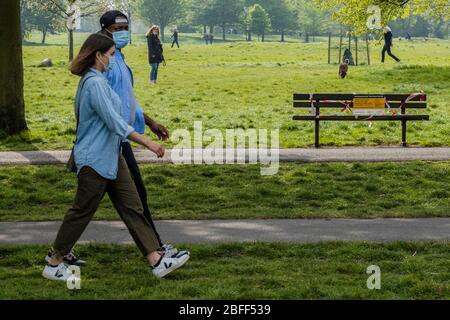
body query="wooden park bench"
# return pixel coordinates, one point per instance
(361, 107)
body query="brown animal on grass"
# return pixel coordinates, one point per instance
(343, 69)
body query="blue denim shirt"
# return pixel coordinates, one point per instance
(101, 129)
(120, 79)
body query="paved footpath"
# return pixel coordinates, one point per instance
(213, 231)
(378, 154)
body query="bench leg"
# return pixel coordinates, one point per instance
(317, 134)
(404, 144)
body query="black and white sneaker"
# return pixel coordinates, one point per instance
(71, 259)
(57, 273)
(168, 265)
(170, 251)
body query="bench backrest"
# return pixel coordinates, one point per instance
(337, 100)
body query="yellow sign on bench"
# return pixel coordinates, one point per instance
(369, 105)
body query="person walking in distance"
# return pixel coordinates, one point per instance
(388, 44)
(175, 38)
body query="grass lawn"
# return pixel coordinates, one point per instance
(245, 85)
(412, 189)
(241, 271)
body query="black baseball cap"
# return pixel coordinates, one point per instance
(112, 17)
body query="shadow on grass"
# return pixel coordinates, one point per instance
(38, 44)
(24, 143)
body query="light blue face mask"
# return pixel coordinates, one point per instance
(111, 64)
(121, 39)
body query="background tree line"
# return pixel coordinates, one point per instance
(300, 18)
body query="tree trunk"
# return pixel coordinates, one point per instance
(262, 37)
(282, 35)
(163, 35)
(368, 49)
(329, 48)
(350, 40)
(44, 34)
(12, 107)
(211, 29)
(204, 28)
(249, 35)
(340, 45)
(224, 32)
(70, 44)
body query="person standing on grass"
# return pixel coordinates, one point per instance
(100, 166)
(206, 38)
(388, 44)
(175, 38)
(155, 52)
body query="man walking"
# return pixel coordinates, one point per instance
(115, 25)
(388, 45)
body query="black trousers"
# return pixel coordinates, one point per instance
(175, 41)
(388, 50)
(127, 152)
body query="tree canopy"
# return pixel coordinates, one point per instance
(355, 14)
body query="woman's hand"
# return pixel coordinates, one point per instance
(156, 148)
(150, 145)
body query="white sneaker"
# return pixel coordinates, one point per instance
(58, 273)
(168, 265)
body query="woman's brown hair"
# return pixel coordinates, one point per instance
(86, 58)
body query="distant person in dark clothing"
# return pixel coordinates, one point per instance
(206, 38)
(175, 38)
(388, 44)
(211, 38)
(155, 52)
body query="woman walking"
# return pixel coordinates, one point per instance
(155, 52)
(100, 166)
(387, 45)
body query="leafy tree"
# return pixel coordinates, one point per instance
(312, 20)
(42, 20)
(161, 12)
(201, 13)
(354, 12)
(225, 13)
(260, 21)
(25, 17)
(72, 10)
(282, 14)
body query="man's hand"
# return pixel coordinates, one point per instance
(159, 130)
